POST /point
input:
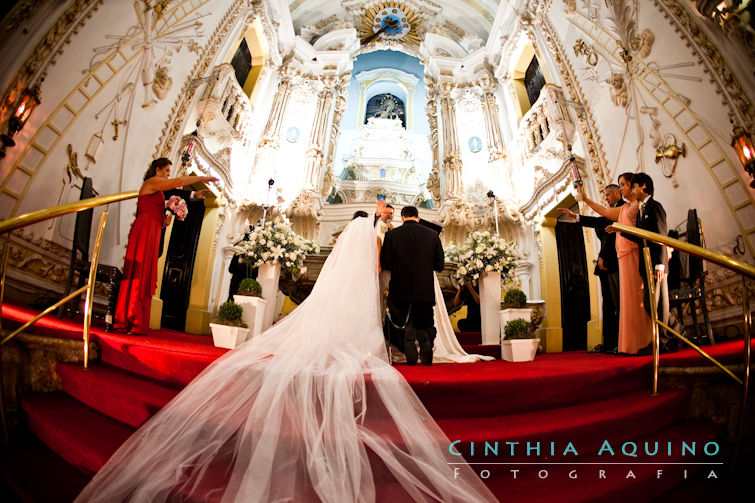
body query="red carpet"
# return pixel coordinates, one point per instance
(558, 400)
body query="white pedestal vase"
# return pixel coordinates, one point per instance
(490, 305)
(519, 350)
(226, 336)
(514, 313)
(254, 312)
(268, 276)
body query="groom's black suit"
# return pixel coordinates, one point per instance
(412, 252)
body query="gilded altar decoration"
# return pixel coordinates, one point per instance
(391, 21)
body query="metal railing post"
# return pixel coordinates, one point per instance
(88, 307)
(746, 376)
(650, 283)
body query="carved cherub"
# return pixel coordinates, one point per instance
(619, 92)
(643, 44)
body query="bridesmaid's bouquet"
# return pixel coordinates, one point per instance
(177, 206)
(276, 242)
(481, 253)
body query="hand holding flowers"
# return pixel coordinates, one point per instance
(177, 206)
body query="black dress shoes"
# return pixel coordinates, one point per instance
(410, 346)
(425, 347)
(597, 349)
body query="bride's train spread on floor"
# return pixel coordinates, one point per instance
(310, 410)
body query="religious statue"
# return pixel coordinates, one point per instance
(389, 109)
(162, 82)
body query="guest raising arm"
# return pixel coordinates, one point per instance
(140, 266)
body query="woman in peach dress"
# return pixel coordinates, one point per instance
(635, 326)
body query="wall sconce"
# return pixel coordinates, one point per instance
(742, 144)
(189, 148)
(26, 104)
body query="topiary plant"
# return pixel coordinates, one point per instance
(250, 287)
(229, 313)
(515, 298)
(518, 329)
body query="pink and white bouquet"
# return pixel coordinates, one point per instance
(177, 206)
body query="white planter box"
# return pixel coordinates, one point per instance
(225, 336)
(519, 350)
(506, 315)
(254, 313)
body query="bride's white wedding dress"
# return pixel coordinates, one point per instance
(310, 410)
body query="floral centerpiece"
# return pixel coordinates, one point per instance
(480, 253)
(276, 242)
(177, 206)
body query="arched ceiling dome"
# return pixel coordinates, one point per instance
(456, 19)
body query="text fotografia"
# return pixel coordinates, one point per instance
(543, 460)
(569, 450)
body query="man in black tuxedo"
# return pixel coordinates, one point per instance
(412, 252)
(607, 269)
(651, 217)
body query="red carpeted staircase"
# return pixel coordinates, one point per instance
(558, 400)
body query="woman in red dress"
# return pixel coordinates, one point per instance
(140, 266)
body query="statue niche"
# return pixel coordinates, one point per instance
(385, 106)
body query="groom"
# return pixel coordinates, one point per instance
(412, 252)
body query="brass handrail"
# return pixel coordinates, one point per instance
(38, 216)
(697, 251)
(64, 209)
(745, 270)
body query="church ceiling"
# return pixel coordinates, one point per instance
(405, 21)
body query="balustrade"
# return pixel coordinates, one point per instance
(547, 120)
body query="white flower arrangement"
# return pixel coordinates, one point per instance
(276, 242)
(480, 253)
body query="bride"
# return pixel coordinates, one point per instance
(310, 410)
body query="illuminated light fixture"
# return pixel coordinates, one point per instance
(189, 148)
(26, 104)
(742, 144)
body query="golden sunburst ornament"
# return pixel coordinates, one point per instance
(390, 20)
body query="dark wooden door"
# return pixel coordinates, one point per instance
(575, 291)
(179, 265)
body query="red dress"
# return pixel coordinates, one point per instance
(140, 266)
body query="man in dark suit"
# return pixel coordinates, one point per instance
(412, 252)
(651, 217)
(606, 268)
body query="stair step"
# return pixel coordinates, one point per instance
(500, 387)
(493, 350)
(620, 418)
(176, 360)
(82, 436)
(469, 338)
(127, 397)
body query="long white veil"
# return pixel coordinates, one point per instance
(310, 410)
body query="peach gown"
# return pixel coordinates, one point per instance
(635, 327)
